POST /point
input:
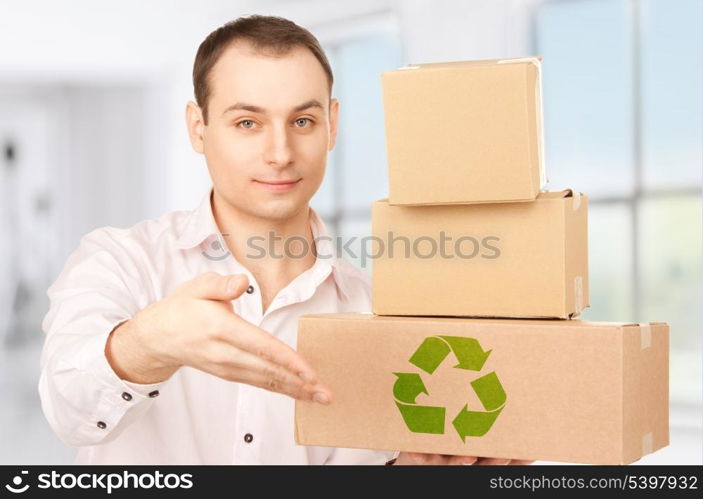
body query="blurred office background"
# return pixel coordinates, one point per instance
(92, 97)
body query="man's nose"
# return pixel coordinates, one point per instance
(279, 152)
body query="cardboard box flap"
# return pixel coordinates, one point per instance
(536, 60)
(544, 194)
(565, 193)
(577, 323)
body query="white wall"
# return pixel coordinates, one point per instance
(448, 30)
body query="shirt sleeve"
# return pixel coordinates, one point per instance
(83, 399)
(346, 456)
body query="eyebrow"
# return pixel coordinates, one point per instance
(257, 109)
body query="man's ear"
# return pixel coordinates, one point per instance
(195, 125)
(334, 121)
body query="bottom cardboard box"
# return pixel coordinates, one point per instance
(552, 390)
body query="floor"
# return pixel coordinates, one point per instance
(25, 437)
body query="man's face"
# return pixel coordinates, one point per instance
(270, 126)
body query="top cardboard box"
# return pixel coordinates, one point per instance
(464, 132)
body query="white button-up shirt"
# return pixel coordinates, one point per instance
(193, 417)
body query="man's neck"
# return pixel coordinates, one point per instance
(274, 261)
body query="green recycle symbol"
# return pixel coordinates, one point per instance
(430, 419)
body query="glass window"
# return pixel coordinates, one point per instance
(357, 231)
(324, 199)
(587, 85)
(670, 267)
(672, 92)
(610, 263)
(601, 115)
(361, 159)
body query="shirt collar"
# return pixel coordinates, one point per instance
(200, 224)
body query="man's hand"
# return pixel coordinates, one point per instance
(196, 326)
(416, 458)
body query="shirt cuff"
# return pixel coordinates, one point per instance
(97, 363)
(117, 401)
(144, 390)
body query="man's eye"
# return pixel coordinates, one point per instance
(303, 121)
(248, 124)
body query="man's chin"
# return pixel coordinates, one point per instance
(278, 210)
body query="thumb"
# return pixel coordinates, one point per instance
(213, 286)
(236, 285)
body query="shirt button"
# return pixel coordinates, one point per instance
(101, 425)
(248, 437)
(250, 289)
(126, 396)
(153, 394)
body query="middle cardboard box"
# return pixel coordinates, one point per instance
(513, 260)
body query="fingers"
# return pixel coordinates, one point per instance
(420, 458)
(501, 461)
(492, 461)
(236, 285)
(214, 286)
(254, 340)
(244, 367)
(283, 384)
(439, 459)
(238, 331)
(461, 460)
(258, 358)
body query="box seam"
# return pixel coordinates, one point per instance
(564, 257)
(623, 401)
(529, 143)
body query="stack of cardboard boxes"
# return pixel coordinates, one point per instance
(473, 347)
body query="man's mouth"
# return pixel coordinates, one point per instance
(278, 185)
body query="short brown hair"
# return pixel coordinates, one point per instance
(267, 34)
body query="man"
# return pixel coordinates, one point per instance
(158, 350)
